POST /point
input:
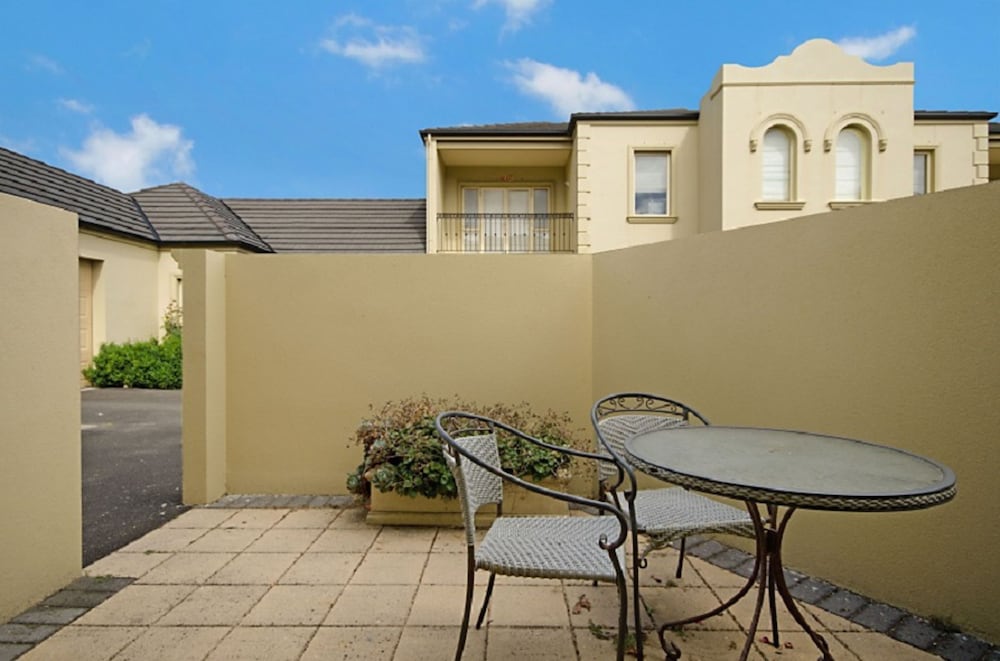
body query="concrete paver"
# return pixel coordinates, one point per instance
(305, 585)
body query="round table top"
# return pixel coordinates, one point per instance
(792, 468)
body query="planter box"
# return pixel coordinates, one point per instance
(395, 510)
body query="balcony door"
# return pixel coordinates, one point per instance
(505, 219)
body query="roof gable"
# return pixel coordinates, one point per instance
(183, 214)
(96, 205)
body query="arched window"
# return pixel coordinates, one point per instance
(776, 165)
(852, 166)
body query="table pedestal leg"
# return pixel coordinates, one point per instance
(768, 573)
(772, 579)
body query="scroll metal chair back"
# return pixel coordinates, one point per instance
(560, 546)
(663, 514)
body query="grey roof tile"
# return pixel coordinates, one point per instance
(515, 128)
(954, 115)
(562, 129)
(337, 225)
(183, 214)
(96, 205)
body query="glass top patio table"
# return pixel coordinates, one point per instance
(774, 469)
(793, 468)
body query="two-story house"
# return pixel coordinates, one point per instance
(814, 131)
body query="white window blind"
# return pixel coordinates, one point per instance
(776, 165)
(650, 183)
(850, 165)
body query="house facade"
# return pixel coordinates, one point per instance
(128, 276)
(814, 131)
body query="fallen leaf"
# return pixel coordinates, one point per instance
(581, 604)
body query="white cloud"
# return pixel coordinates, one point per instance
(40, 62)
(373, 45)
(75, 105)
(879, 47)
(519, 12)
(140, 50)
(565, 90)
(148, 155)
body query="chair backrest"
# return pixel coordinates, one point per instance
(619, 417)
(476, 485)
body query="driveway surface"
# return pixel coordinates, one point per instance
(131, 465)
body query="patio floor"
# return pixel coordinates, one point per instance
(305, 584)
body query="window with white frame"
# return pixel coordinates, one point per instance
(776, 165)
(923, 170)
(852, 164)
(651, 183)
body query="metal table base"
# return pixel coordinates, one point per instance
(768, 573)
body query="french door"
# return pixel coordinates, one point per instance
(505, 219)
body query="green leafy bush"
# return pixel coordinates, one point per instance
(148, 364)
(402, 451)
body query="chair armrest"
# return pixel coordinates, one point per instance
(486, 424)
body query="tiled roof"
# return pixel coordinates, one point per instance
(517, 128)
(336, 225)
(96, 205)
(183, 214)
(661, 114)
(954, 115)
(561, 129)
(995, 128)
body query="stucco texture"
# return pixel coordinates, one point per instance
(875, 322)
(878, 323)
(40, 521)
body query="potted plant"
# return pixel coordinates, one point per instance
(404, 479)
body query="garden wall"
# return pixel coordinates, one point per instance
(314, 340)
(881, 323)
(40, 520)
(878, 322)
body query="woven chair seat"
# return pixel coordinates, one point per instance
(550, 547)
(673, 513)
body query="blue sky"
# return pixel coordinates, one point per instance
(325, 99)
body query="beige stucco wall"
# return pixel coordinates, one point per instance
(204, 400)
(314, 340)
(127, 289)
(877, 322)
(815, 92)
(605, 153)
(40, 521)
(960, 149)
(169, 282)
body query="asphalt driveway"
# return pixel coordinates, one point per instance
(131, 465)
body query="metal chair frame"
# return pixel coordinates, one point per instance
(675, 512)
(559, 546)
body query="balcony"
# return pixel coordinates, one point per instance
(506, 232)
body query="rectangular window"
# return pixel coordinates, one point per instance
(650, 183)
(923, 162)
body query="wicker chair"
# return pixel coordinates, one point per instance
(561, 547)
(664, 514)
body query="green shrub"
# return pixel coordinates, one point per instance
(402, 451)
(146, 364)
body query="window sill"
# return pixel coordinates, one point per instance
(651, 220)
(837, 205)
(775, 205)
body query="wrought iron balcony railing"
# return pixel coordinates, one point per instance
(506, 232)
